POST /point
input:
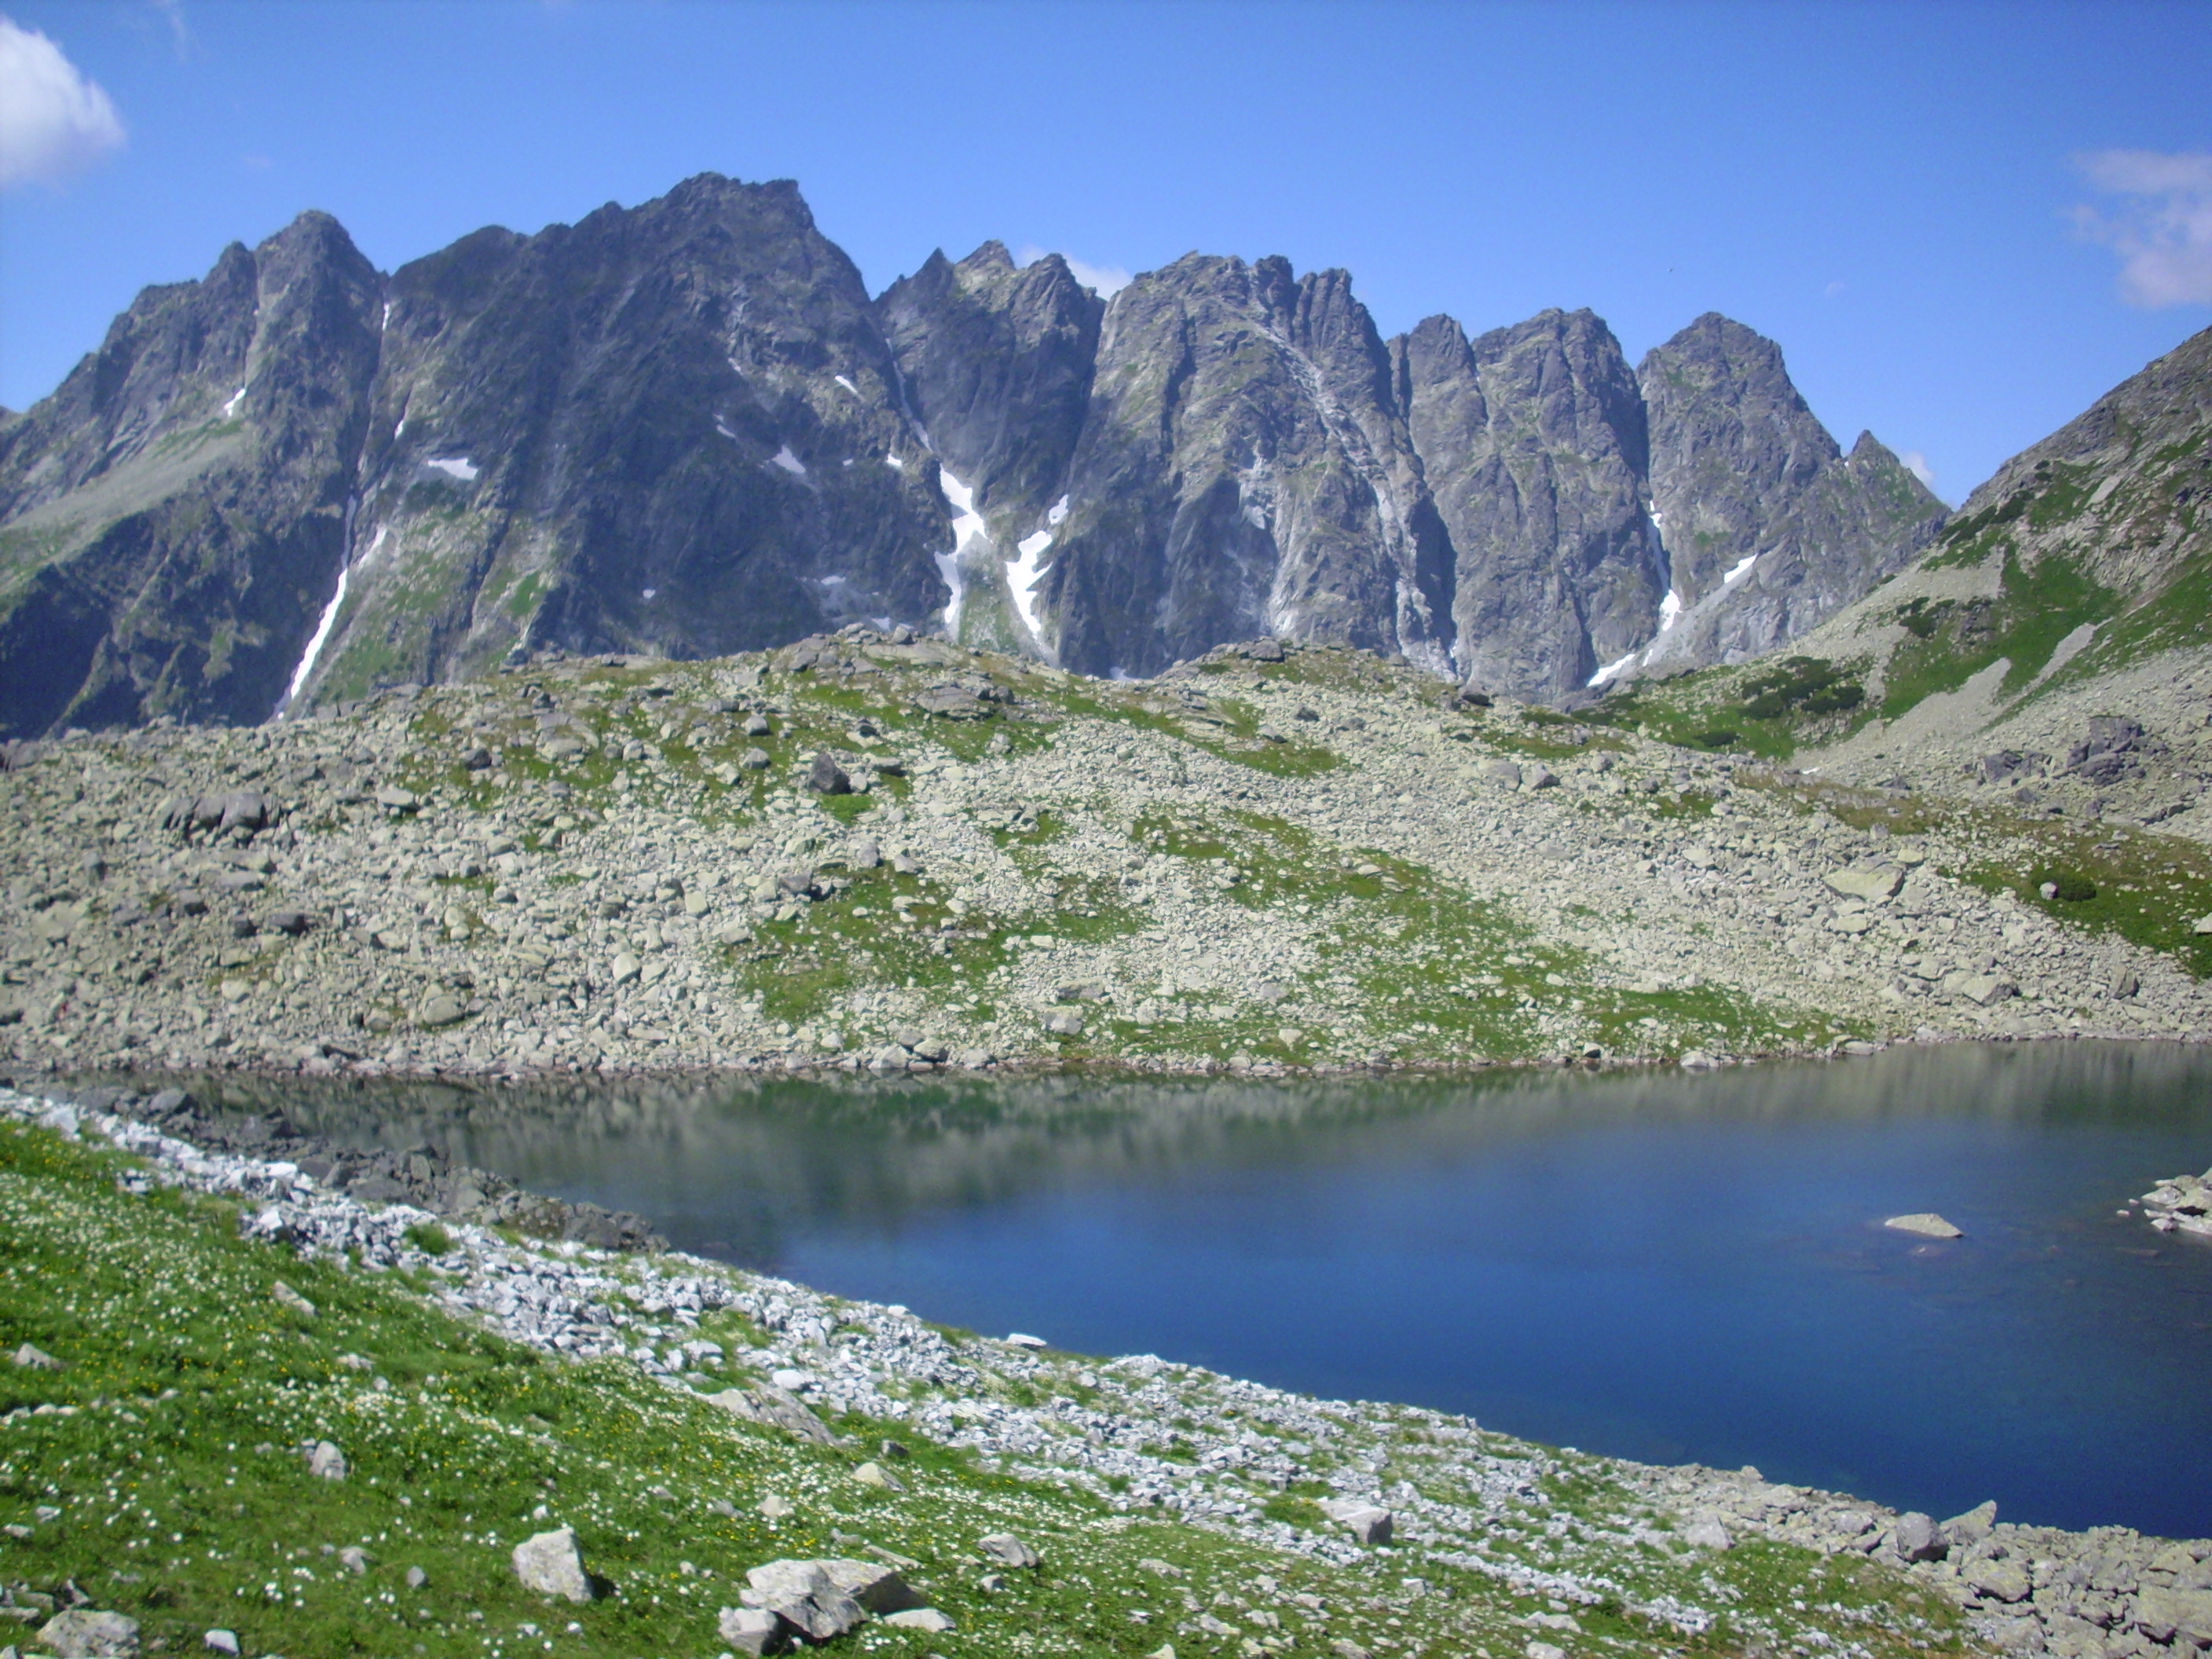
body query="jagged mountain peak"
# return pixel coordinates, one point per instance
(683, 426)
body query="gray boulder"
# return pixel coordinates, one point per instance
(1008, 1550)
(82, 1633)
(805, 1597)
(550, 1564)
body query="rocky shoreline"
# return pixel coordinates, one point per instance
(1148, 1435)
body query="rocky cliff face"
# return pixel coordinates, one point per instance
(675, 428)
(1532, 439)
(1770, 528)
(170, 517)
(1241, 471)
(996, 363)
(685, 428)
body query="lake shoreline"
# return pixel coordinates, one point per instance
(2022, 1588)
(1016, 1068)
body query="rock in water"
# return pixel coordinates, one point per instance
(1925, 1223)
(82, 1633)
(550, 1565)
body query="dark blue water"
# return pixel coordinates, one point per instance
(1668, 1267)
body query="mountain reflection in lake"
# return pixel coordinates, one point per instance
(1661, 1266)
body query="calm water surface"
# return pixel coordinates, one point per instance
(1670, 1267)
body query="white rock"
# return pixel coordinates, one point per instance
(1926, 1223)
(749, 1629)
(550, 1565)
(922, 1619)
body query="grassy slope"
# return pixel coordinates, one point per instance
(161, 1473)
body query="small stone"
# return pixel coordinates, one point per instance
(775, 1508)
(416, 1578)
(326, 1462)
(1915, 1537)
(1544, 1650)
(550, 1565)
(626, 967)
(1366, 1522)
(2202, 926)
(1023, 1340)
(750, 1630)
(221, 1641)
(873, 1475)
(1064, 1022)
(1924, 1223)
(922, 1618)
(37, 1359)
(355, 1560)
(82, 1633)
(1004, 1547)
(440, 1009)
(826, 777)
(286, 1298)
(1707, 1535)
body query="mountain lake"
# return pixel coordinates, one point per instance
(1659, 1265)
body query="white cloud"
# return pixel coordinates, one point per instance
(1104, 280)
(53, 121)
(1916, 465)
(2162, 227)
(1835, 289)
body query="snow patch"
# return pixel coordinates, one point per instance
(1118, 673)
(236, 398)
(1022, 576)
(966, 526)
(454, 467)
(789, 462)
(328, 620)
(722, 426)
(651, 591)
(1613, 667)
(1739, 569)
(1058, 513)
(895, 462)
(1670, 608)
(847, 384)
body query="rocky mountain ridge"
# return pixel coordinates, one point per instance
(686, 429)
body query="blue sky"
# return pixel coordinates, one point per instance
(1963, 223)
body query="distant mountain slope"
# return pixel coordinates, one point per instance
(685, 428)
(171, 517)
(2056, 639)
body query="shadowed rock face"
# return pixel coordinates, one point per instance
(166, 538)
(1243, 470)
(998, 364)
(667, 429)
(1533, 442)
(684, 429)
(1742, 471)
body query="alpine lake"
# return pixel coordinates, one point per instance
(1660, 1265)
